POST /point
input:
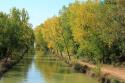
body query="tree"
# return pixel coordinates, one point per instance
(92, 31)
(16, 33)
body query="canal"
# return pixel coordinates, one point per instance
(43, 69)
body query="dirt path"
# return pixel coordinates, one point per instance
(107, 69)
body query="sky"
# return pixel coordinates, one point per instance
(39, 10)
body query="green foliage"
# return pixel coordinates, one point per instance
(15, 32)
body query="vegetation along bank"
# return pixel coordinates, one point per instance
(93, 32)
(16, 37)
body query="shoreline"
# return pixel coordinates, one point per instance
(6, 66)
(104, 74)
(103, 77)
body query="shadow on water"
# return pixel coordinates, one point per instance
(43, 69)
(56, 71)
(19, 72)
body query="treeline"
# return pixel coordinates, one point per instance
(16, 34)
(94, 31)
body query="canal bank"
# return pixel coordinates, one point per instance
(7, 63)
(104, 74)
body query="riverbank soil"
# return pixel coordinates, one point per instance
(117, 72)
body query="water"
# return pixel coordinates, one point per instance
(44, 70)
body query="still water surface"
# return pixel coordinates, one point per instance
(44, 70)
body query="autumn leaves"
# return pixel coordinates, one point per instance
(88, 30)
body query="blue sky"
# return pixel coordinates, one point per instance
(39, 10)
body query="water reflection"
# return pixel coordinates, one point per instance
(43, 69)
(18, 73)
(34, 75)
